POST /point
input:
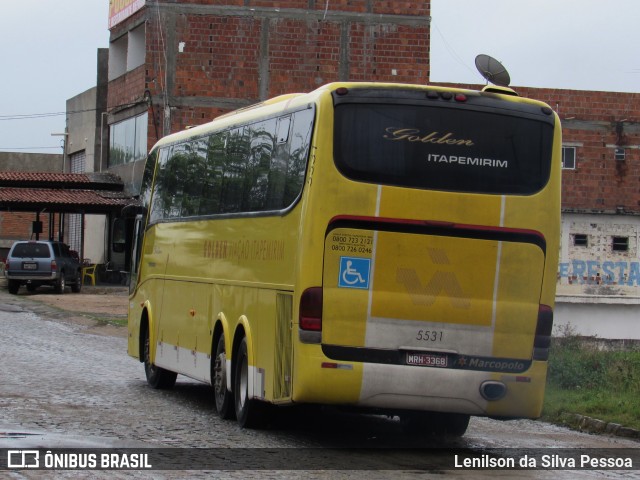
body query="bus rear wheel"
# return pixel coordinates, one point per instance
(435, 423)
(248, 410)
(223, 397)
(157, 377)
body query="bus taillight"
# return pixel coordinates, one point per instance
(311, 309)
(542, 340)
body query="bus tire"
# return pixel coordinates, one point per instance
(223, 397)
(157, 377)
(248, 412)
(435, 423)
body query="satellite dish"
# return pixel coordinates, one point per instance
(492, 70)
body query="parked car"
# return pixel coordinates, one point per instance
(34, 263)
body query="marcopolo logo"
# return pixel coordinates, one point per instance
(492, 364)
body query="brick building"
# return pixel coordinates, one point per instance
(599, 273)
(178, 63)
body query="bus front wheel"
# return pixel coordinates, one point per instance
(223, 397)
(247, 410)
(157, 377)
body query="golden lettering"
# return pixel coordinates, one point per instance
(252, 250)
(414, 135)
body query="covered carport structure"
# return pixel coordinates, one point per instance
(61, 194)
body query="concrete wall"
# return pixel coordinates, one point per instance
(597, 268)
(94, 237)
(87, 120)
(30, 162)
(600, 317)
(131, 176)
(598, 288)
(81, 126)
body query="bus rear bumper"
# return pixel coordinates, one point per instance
(396, 387)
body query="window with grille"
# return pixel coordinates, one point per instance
(620, 244)
(580, 240)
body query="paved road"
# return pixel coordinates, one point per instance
(65, 384)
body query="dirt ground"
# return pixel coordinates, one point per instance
(95, 304)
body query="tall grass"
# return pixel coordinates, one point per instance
(585, 379)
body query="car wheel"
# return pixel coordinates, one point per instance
(60, 284)
(77, 285)
(157, 377)
(13, 286)
(223, 397)
(248, 410)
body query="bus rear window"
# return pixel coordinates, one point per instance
(455, 148)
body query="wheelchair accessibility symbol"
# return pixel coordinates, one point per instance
(354, 272)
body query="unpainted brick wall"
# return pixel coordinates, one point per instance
(198, 61)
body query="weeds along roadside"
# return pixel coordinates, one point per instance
(594, 378)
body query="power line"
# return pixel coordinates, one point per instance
(452, 51)
(29, 148)
(31, 116)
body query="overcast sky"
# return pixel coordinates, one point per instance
(48, 52)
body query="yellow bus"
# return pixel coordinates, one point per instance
(387, 247)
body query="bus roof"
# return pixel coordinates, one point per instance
(281, 103)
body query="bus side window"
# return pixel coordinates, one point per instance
(194, 168)
(299, 144)
(147, 181)
(235, 165)
(160, 190)
(259, 165)
(215, 168)
(282, 130)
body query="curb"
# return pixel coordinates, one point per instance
(593, 425)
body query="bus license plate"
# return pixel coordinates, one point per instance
(29, 266)
(427, 359)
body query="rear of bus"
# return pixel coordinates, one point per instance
(429, 251)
